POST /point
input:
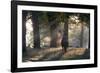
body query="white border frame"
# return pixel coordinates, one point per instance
(53, 63)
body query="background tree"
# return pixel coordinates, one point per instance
(53, 23)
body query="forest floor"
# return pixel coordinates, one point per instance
(52, 54)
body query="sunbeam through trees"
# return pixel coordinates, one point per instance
(49, 36)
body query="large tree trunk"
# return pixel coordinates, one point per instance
(66, 30)
(36, 30)
(24, 31)
(64, 41)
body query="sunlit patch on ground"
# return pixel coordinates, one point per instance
(58, 54)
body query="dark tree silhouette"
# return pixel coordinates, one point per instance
(24, 30)
(64, 42)
(36, 29)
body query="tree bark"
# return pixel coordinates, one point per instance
(24, 31)
(66, 30)
(36, 30)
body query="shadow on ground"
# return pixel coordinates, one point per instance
(53, 54)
